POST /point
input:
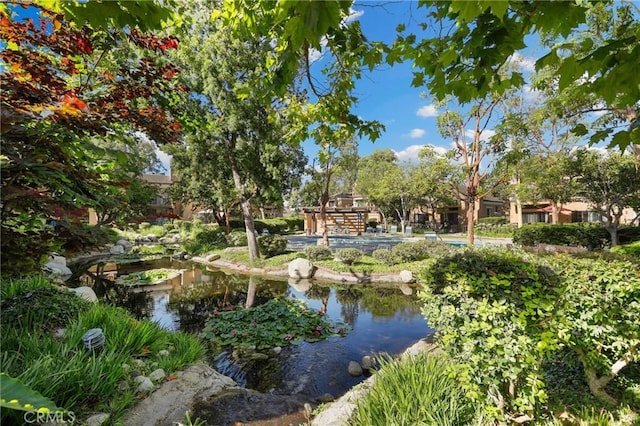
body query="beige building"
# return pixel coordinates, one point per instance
(571, 212)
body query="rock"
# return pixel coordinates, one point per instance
(157, 375)
(212, 257)
(368, 362)
(97, 419)
(126, 367)
(406, 290)
(163, 352)
(56, 258)
(85, 293)
(276, 350)
(58, 270)
(327, 397)
(179, 255)
(152, 238)
(354, 369)
(126, 244)
(300, 285)
(139, 362)
(406, 276)
(117, 249)
(144, 384)
(301, 268)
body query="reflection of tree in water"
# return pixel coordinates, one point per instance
(194, 303)
(387, 302)
(348, 297)
(319, 292)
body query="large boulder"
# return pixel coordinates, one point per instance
(300, 284)
(57, 270)
(301, 268)
(126, 244)
(406, 276)
(56, 258)
(86, 293)
(117, 249)
(354, 368)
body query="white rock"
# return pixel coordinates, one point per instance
(158, 374)
(145, 384)
(301, 268)
(97, 419)
(406, 276)
(56, 258)
(406, 290)
(117, 249)
(86, 293)
(163, 352)
(124, 243)
(139, 362)
(57, 269)
(354, 369)
(368, 362)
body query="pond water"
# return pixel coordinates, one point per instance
(383, 318)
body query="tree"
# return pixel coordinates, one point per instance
(240, 143)
(475, 155)
(610, 183)
(471, 42)
(438, 181)
(57, 99)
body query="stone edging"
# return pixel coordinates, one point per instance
(320, 273)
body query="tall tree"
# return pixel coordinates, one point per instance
(239, 130)
(610, 183)
(475, 152)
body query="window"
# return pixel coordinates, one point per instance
(585, 216)
(535, 217)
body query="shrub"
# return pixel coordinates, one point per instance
(206, 240)
(144, 225)
(491, 309)
(629, 249)
(628, 234)
(272, 245)
(589, 235)
(349, 255)
(45, 307)
(601, 324)
(494, 220)
(318, 253)
(150, 250)
(417, 390)
(384, 256)
(157, 230)
(237, 238)
(420, 250)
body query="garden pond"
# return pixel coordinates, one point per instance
(378, 318)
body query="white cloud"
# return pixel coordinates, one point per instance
(416, 133)
(427, 111)
(410, 153)
(314, 54)
(165, 160)
(354, 15)
(526, 63)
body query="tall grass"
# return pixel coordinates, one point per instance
(83, 381)
(414, 391)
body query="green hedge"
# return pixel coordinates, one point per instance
(420, 250)
(349, 255)
(272, 245)
(590, 235)
(318, 253)
(495, 220)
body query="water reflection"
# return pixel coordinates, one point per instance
(382, 318)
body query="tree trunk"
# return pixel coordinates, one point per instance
(245, 203)
(262, 213)
(323, 217)
(471, 206)
(519, 215)
(555, 213)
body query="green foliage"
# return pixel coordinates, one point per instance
(628, 234)
(420, 250)
(83, 381)
(414, 391)
(349, 255)
(498, 231)
(589, 235)
(9, 287)
(156, 249)
(157, 230)
(318, 253)
(237, 238)
(18, 396)
(385, 256)
(42, 307)
(628, 249)
(279, 225)
(495, 220)
(491, 310)
(272, 245)
(601, 304)
(279, 322)
(143, 226)
(150, 276)
(205, 240)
